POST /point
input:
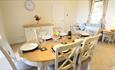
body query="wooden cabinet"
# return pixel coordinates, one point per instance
(34, 31)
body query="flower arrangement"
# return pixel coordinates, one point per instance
(56, 35)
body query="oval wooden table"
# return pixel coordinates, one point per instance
(46, 57)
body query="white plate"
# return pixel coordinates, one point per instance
(46, 37)
(63, 34)
(28, 46)
(85, 33)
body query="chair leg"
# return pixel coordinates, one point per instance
(88, 68)
(38, 68)
(78, 67)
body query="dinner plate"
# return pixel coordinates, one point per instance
(28, 46)
(63, 34)
(46, 37)
(85, 34)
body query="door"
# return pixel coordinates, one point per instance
(58, 16)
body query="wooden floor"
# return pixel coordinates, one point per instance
(103, 56)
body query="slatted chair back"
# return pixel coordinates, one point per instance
(86, 51)
(88, 45)
(8, 58)
(69, 58)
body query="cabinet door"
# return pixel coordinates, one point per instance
(45, 31)
(30, 34)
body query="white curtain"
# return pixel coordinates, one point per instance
(103, 20)
(97, 12)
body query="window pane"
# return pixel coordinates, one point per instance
(97, 12)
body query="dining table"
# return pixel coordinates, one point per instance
(47, 57)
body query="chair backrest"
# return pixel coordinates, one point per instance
(8, 58)
(4, 43)
(69, 58)
(90, 41)
(88, 44)
(86, 50)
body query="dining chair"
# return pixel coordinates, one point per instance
(8, 58)
(69, 58)
(12, 57)
(15, 65)
(108, 36)
(86, 51)
(95, 40)
(89, 44)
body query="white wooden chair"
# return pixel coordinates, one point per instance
(89, 44)
(96, 38)
(8, 58)
(15, 62)
(86, 50)
(69, 57)
(15, 65)
(108, 36)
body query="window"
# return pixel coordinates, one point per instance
(97, 11)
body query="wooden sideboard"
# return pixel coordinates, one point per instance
(32, 31)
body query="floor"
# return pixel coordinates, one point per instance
(103, 56)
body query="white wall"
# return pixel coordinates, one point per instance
(15, 15)
(2, 30)
(111, 15)
(4, 65)
(77, 11)
(3, 41)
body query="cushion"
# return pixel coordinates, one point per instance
(82, 26)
